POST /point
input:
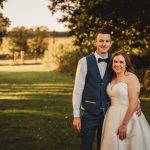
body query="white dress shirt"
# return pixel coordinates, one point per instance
(80, 81)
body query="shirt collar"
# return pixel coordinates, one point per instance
(98, 56)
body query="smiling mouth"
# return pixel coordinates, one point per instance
(103, 47)
(117, 68)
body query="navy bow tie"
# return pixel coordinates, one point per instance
(103, 60)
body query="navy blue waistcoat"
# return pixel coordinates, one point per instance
(94, 97)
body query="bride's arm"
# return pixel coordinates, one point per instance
(133, 93)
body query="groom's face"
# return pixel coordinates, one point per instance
(103, 43)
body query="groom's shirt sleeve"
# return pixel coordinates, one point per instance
(79, 86)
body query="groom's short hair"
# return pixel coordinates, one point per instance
(103, 31)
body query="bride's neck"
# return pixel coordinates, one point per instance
(120, 76)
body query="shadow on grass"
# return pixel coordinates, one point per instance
(36, 116)
(22, 131)
(36, 111)
(33, 77)
(42, 123)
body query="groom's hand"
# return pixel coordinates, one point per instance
(77, 124)
(138, 108)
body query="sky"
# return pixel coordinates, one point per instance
(31, 13)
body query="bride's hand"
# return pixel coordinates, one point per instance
(122, 132)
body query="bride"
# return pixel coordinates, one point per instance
(122, 128)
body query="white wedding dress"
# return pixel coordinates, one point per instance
(138, 129)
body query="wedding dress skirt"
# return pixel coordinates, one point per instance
(138, 129)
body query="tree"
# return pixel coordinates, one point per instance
(128, 20)
(30, 41)
(19, 36)
(39, 43)
(4, 22)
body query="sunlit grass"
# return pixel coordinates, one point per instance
(52, 77)
(25, 91)
(36, 111)
(6, 97)
(31, 111)
(35, 93)
(145, 98)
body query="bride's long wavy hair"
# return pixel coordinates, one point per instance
(129, 66)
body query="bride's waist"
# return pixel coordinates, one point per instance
(115, 104)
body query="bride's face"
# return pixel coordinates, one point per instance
(119, 64)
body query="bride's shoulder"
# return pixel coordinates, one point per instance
(132, 78)
(131, 75)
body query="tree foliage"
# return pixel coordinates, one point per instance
(128, 21)
(4, 22)
(38, 43)
(28, 40)
(19, 36)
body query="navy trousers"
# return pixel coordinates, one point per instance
(91, 126)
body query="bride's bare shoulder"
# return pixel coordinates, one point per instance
(132, 78)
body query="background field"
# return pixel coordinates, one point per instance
(36, 111)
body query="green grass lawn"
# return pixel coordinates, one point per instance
(36, 111)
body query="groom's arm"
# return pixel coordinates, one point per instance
(138, 109)
(77, 92)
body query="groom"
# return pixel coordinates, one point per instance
(89, 95)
